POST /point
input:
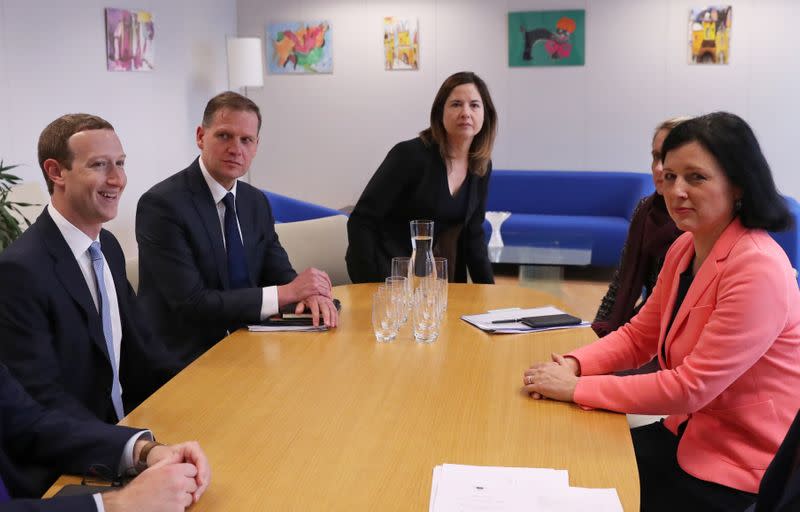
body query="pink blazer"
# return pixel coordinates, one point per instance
(732, 357)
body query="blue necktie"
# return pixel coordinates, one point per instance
(105, 313)
(4, 497)
(238, 276)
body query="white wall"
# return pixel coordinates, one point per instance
(52, 61)
(325, 135)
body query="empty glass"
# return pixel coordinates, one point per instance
(397, 287)
(425, 312)
(441, 280)
(401, 268)
(385, 315)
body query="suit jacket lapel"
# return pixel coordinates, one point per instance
(69, 274)
(705, 276)
(207, 211)
(472, 199)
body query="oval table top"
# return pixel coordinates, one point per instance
(335, 421)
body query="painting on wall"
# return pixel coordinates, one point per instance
(710, 34)
(129, 40)
(400, 43)
(546, 38)
(299, 48)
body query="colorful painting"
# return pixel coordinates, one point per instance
(299, 47)
(129, 40)
(546, 38)
(710, 34)
(400, 43)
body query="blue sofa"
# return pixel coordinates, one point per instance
(289, 209)
(568, 207)
(576, 207)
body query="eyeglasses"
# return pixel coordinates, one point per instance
(102, 475)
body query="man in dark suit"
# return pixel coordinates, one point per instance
(70, 330)
(209, 258)
(172, 477)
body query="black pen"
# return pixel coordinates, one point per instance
(507, 321)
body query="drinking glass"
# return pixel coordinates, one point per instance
(425, 312)
(401, 267)
(384, 316)
(441, 280)
(398, 289)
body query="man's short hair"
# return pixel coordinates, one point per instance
(54, 139)
(232, 101)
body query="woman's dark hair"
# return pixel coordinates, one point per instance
(480, 151)
(734, 145)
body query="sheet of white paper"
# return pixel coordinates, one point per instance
(285, 328)
(484, 321)
(579, 499)
(493, 489)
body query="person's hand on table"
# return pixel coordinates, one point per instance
(165, 486)
(310, 282)
(556, 379)
(319, 305)
(189, 452)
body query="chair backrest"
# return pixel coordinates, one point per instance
(319, 243)
(289, 209)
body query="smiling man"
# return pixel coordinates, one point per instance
(209, 258)
(70, 329)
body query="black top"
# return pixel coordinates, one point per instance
(411, 183)
(686, 279)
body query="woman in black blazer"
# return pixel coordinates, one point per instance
(441, 175)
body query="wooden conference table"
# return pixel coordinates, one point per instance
(336, 421)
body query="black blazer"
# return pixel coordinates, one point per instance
(183, 271)
(408, 186)
(51, 335)
(52, 439)
(780, 487)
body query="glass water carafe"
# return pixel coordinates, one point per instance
(422, 267)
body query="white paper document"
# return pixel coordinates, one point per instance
(458, 488)
(485, 321)
(285, 328)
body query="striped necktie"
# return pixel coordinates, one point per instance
(105, 313)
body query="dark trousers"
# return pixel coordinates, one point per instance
(665, 486)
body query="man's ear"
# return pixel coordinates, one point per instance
(54, 171)
(200, 133)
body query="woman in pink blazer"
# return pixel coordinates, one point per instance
(723, 320)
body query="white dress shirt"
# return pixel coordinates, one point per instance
(79, 243)
(269, 294)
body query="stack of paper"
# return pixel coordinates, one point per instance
(499, 489)
(278, 328)
(485, 321)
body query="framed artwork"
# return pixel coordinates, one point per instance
(710, 34)
(400, 43)
(546, 38)
(299, 48)
(129, 40)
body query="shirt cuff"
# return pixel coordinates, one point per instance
(126, 463)
(269, 301)
(98, 502)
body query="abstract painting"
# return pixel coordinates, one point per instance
(710, 34)
(129, 40)
(400, 43)
(546, 38)
(303, 47)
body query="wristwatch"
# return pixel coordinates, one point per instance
(141, 463)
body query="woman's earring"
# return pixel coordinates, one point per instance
(737, 205)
